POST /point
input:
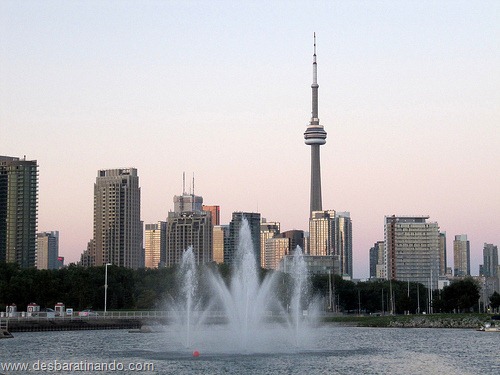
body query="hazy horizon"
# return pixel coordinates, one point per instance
(408, 94)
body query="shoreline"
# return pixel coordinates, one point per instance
(468, 321)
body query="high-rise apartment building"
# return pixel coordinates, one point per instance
(47, 250)
(189, 226)
(461, 256)
(267, 230)
(490, 258)
(253, 220)
(155, 244)
(412, 249)
(322, 233)
(18, 210)
(343, 242)
(117, 223)
(442, 254)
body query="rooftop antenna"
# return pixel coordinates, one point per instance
(193, 184)
(183, 183)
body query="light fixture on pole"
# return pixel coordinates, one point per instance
(106, 287)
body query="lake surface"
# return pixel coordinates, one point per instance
(328, 349)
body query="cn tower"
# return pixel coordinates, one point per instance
(315, 136)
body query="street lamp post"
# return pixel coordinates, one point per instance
(106, 287)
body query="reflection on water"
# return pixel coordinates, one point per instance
(334, 350)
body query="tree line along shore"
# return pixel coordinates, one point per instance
(154, 289)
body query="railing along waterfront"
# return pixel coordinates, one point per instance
(94, 315)
(100, 315)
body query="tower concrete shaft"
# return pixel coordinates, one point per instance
(315, 136)
(315, 199)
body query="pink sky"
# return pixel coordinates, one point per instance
(408, 95)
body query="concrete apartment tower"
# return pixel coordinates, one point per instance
(315, 136)
(117, 222)
(411, 246)
(461, 255)
(18, 210)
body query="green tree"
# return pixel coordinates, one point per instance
(495, 300)
(460, 296)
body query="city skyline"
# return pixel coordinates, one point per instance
(408, 92)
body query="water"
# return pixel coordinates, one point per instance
(335, 350)
(245, 302)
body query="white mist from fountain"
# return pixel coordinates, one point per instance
(255, 319)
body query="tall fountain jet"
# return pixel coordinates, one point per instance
(315, 136)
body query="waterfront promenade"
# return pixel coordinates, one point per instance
(97, 320)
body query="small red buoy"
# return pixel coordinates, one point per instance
(196, 353)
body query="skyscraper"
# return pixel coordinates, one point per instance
(189, 226)
(411, 246)
(490, 257)
(235, 225)
(461, 256)
(343, 242)
(47, 250)
(322, 233)
(18, 210)
(315, 136)
(117, 222)
(155, 244)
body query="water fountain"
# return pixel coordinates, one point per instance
(255, 320)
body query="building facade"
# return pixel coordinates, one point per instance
(377, 261)
(442, 254)
(322, 233)
(18, 210)
(214, 212)
(315, 265)
(118, 233)
(220, 242)
(155, 244)
(47, 250)
(411, 246)
(461, 256)
(281, 245)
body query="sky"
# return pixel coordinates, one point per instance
(408, 94)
